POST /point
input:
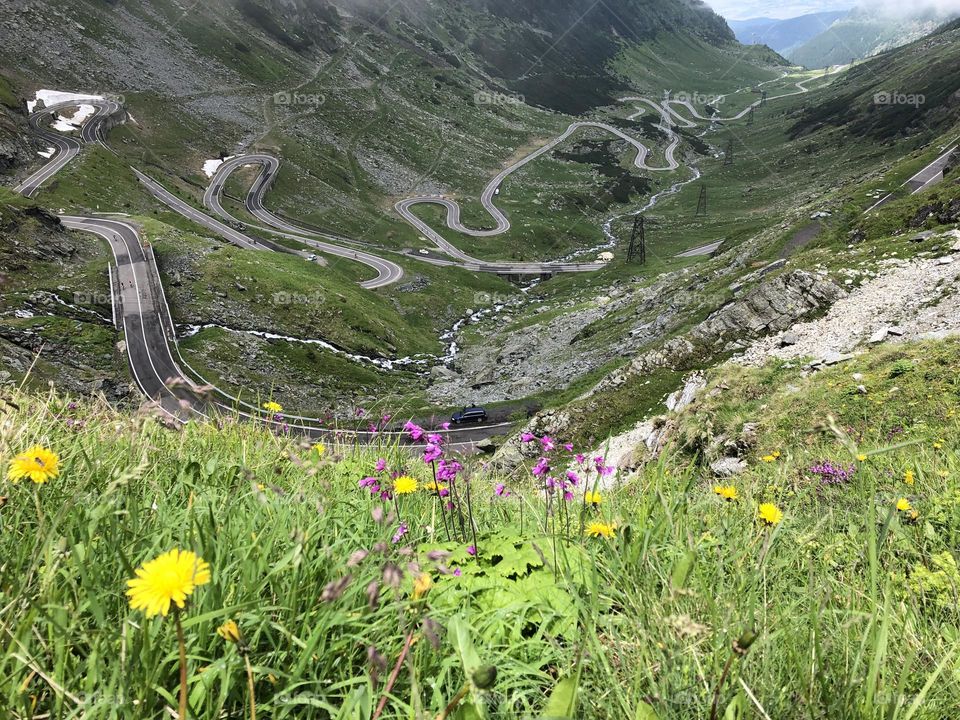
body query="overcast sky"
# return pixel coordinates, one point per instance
(781, 9)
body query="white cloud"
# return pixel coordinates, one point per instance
(916, 7)
(744, 9)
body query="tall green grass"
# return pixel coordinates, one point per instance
(853, 605)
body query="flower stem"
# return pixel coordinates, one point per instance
(453, 703)
(393, 676)
(183, 665)
(716, 691)
(473, 527)
(443, 510)
(253, 703)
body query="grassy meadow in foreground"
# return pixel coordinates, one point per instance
(821, 583)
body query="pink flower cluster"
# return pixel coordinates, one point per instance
(551, 457)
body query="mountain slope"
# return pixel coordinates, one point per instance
(865, 33)
(908, 90)
(783, 35)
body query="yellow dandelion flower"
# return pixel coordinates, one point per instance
(769, 513)
(421, 585)
(404, 485)
(776, 453)
(171, 577)
(319, 448)
(908, 477)
(434, 487)
(938, 445)
(943, 473)
(903, 505)
(273, 407)
(592, 498)
(599, 529)
(727, 492)
(230, 632)
(769, 458)
(38, 464)
(861, 457)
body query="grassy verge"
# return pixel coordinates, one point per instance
(693, 601)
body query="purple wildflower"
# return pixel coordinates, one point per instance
(542, 467)
(548, 443)
(527, 437)
(381, 465)
(447, 470)
(602, 468)
(471, 550)
(401, 531)
(831, 474)
(432, 452)
(416, 432)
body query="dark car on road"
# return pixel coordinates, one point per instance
(469, 414)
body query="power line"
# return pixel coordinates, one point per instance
(702, 201)
(638, 240)
(728, 153)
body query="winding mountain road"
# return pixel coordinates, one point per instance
(334, 244)
(388, 272)
(142, 309)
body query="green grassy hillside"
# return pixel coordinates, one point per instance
(842, 604)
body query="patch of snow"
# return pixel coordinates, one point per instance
(66, 123)
(62, 125)
(52, 97)
(48, 154)
(82, 113)
(210, 166)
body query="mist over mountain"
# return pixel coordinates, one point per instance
(872, 28)
(784, 35)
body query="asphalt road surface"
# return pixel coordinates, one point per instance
(142, 312)
(926, 178)
(388, 271)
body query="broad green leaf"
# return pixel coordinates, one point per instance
(682, 569)
(737, 708)
(563, 701)
(645, 712)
